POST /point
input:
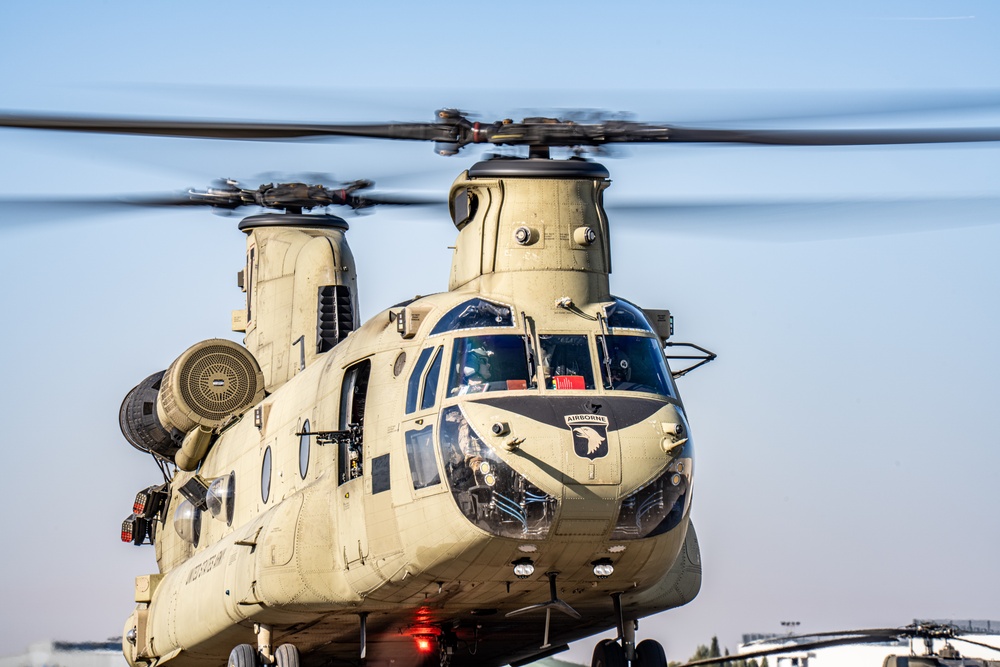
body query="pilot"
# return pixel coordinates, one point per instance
(476, 371)
(621, 370)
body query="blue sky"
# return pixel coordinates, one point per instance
(845, 436)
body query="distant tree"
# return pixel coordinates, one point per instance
(713, 652)
(763, 662)
(701, 653)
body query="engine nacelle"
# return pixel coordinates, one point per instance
(173, 413)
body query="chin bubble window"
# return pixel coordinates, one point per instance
(489, 363)
(489, 492)
(659, 506)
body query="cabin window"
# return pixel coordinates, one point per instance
(566, 362)
(304, 439)
(623, 315)
(489, 363)
(353, 395)
(265, 475)
(634, 363)
(431, 383)
(475, 314)
(420, 452)
(413, 386)
(250, 284)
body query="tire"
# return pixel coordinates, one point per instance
(649, 653)
(608, 653)
(286, 655)
(244, 655)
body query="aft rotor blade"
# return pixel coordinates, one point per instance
(793, 220)
(23, 211)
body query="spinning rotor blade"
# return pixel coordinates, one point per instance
(19, 211)
(835, 137)
(222, 129)
(791, 220)
(287, 196)
(454, 131)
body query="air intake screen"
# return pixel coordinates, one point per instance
(209, 382)
(335, 316)
(217, 383)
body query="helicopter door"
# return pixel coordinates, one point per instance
(350, 466)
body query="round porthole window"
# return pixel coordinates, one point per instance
(265, 475)
(304, 449)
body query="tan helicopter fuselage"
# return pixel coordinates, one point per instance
(411, 523)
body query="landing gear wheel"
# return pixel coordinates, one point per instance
(244, 655)
(287, 655)
(649, 653)
(608, 653)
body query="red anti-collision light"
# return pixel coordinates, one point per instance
(128, 529)
(141, 501)
(425, 644)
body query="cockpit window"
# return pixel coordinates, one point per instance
(566, 362)
(633, 363)
(475, 314)
(488, 363)
(623, 315)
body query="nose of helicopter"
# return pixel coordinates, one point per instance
(576, 446)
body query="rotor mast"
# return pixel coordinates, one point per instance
(531, 225)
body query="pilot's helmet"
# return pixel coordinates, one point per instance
(621, 367)
(477, 362)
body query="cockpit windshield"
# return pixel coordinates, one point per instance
(623, 315)
(489, 363)
(566, 362)
(475, 314)
(634, 363)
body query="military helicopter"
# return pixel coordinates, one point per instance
(431, 485)
(926, 632)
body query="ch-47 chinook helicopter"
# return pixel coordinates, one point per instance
(799, 649)
(479, 476)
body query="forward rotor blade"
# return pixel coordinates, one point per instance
(835, 137)
(225, 129)
(533, 132)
